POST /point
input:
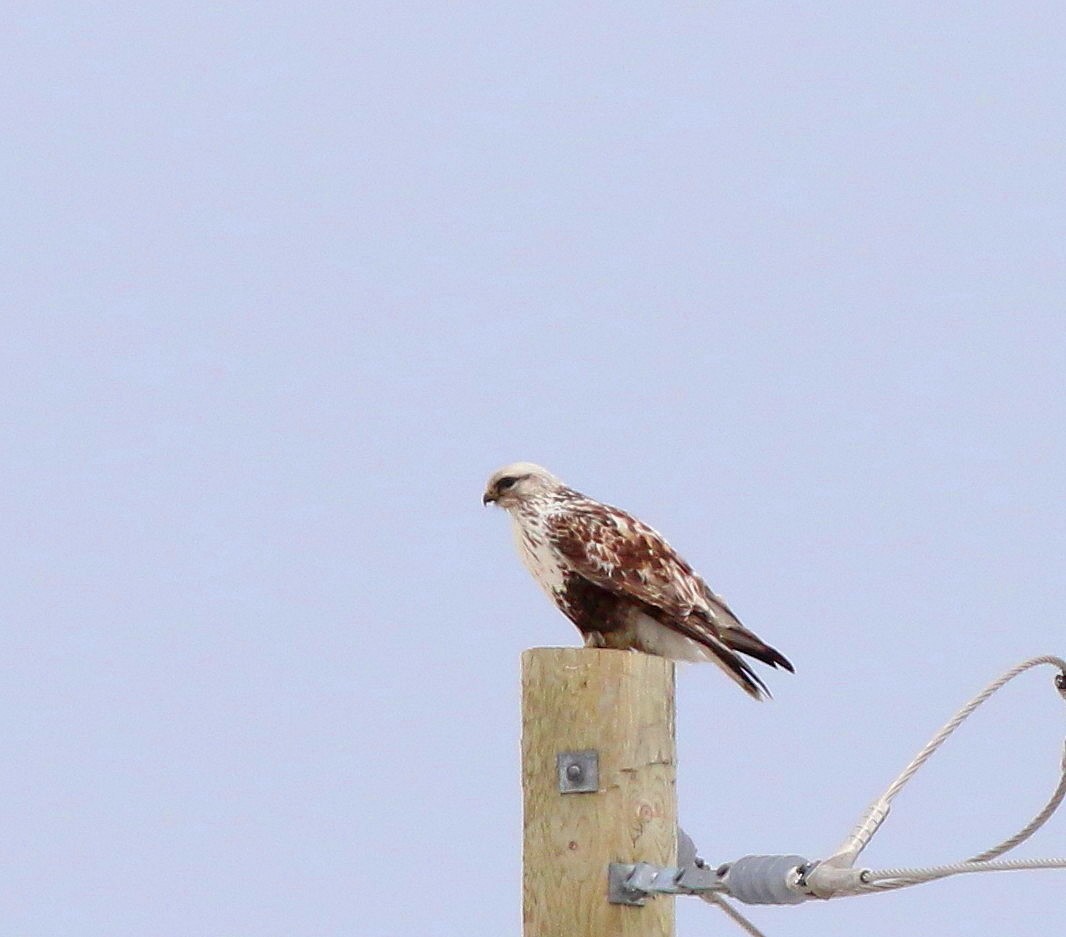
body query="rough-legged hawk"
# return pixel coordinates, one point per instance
(619, 581)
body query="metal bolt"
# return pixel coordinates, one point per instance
(578, 771)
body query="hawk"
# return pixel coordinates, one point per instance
(619, 581)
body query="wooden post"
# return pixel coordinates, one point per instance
(621, 704)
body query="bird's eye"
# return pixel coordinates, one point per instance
(504, 483)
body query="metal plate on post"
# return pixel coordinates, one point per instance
(579, 772)
(618, 890)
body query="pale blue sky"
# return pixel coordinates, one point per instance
(282, 285)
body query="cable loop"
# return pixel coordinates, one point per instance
(886, 879)
(790, 879)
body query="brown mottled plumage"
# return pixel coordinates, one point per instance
(619, 581)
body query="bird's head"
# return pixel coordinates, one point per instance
(514, 484)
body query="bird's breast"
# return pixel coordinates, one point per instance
(538, 557)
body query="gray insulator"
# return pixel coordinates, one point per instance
(764, 879)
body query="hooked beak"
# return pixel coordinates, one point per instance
(488, 498)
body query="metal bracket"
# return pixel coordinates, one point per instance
(579, 772)
(619, 889)
(634, 884)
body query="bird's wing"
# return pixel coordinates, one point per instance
(616, 552)
(625, 556)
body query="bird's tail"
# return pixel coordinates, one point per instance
(735, 667)
(728, 631)
(746, 642)
(724, 645)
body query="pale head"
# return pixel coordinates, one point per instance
(518, 482)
